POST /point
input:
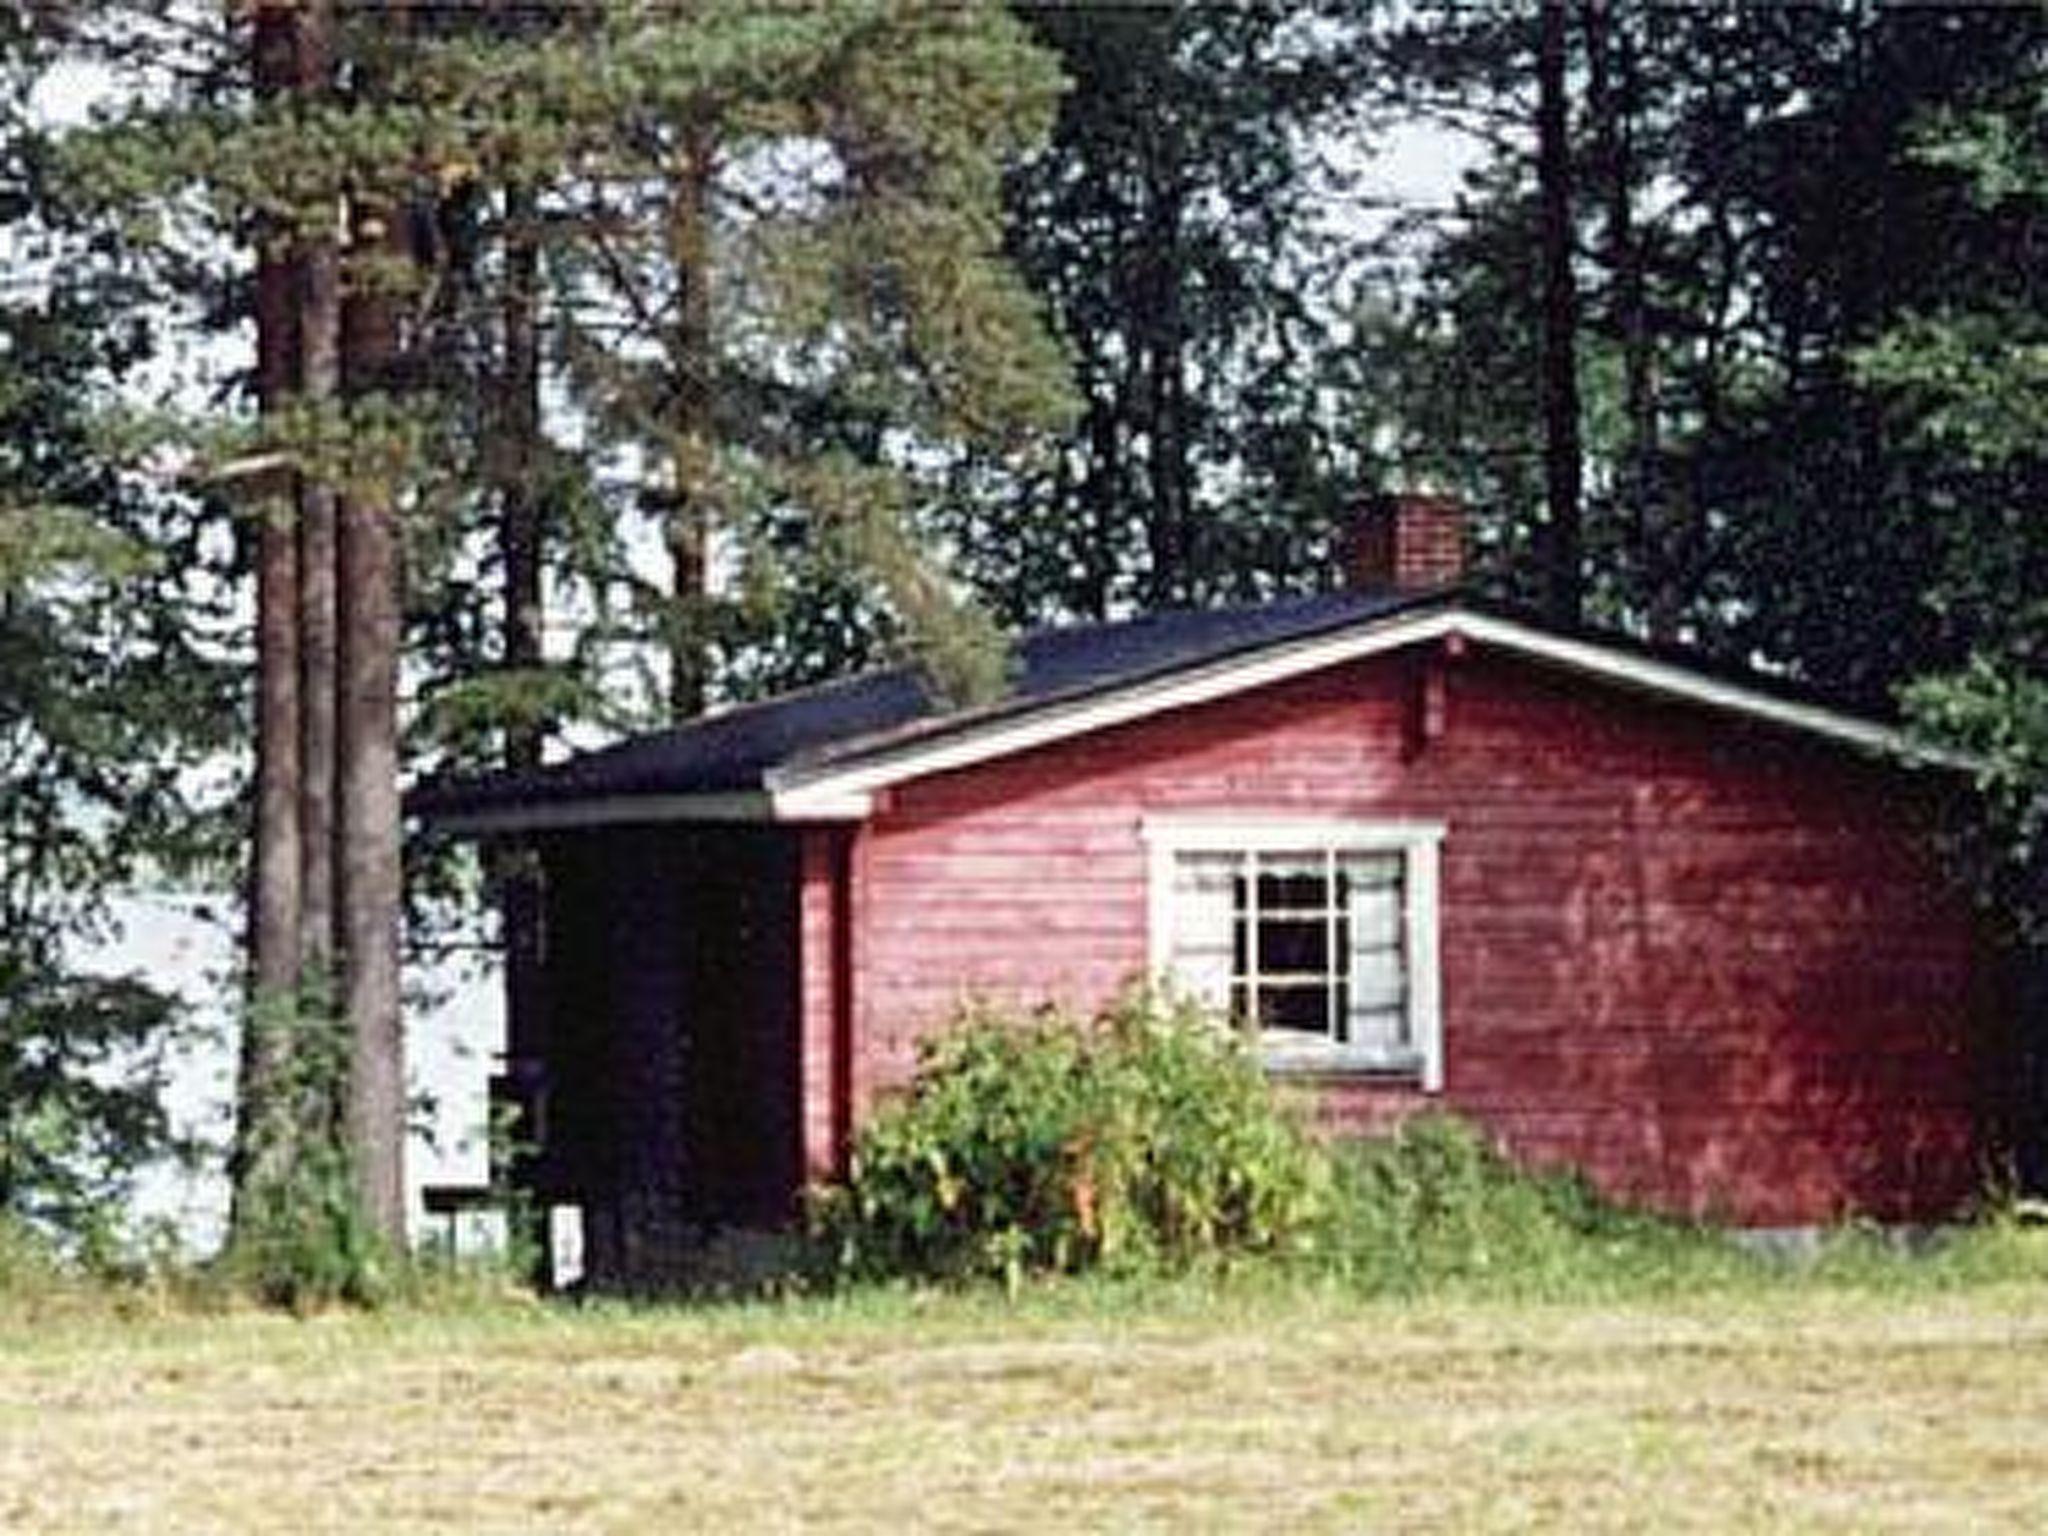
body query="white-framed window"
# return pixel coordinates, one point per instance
(1320, 936)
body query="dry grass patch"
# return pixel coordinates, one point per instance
(1799, 1410)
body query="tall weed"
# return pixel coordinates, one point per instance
(300, 1235)
(1435, 1207)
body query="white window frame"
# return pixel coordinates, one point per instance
(1418, 842)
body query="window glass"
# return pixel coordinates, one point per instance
(1307, 945)
(1206, 941)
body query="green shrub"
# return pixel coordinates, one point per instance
(303, 1240)
(1148, 1141)
(28, 1260)
(1144, 1139)
(300, 1237)
(1435, 1206)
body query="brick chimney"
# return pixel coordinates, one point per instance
(1406, 541)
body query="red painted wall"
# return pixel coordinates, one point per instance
(1709, 963)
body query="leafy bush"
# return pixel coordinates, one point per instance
(1144, 1139)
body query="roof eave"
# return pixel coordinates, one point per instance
(796, 787)
(845, 786)
(738, 808)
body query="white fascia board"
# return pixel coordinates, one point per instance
(648, 810)
(796, 789)
(1056, 722)
(1684, 683)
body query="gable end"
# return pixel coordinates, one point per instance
(812, 790)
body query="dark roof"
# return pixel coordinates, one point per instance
(839, 724)
(730, 752)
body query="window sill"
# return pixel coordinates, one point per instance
(1310, 1063)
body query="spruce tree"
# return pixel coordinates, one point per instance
(109, 695)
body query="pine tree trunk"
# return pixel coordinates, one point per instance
(689, 516)
(263, 1138)
(1101, 488)
(519, 498)
(319, 343)
(367, 840)
(520, 534)
(1611, 92)
(1167, 524)
(1564, 598)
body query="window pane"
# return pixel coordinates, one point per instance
(1377, 990)
(1300, 1011)
(1381, 1028)
(1362, 869)
(1201, 950)
(1373, 904)
(1204, 895)
(1378, 979)
(1290, 946)
(1292, 888)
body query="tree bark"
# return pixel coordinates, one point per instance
(1611, 98)
(263, 1140)
(688, 529)
(367, 828)
(520, 499)
(319, 344)
(1167, 524)
(1564, 583)
(521, 511)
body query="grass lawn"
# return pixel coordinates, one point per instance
(1779, 1408)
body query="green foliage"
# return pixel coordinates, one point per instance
(1974, 383)
(82, 1061)
(1175, 228)
(115, 1273)
(1755, 206)
(1997, 711)
(300, 1237)
(305, 1242)
(1142, 1140)
(773, 253)
(1148, 1142)
(752, 241)
(1434, 1207)
(28, 1259)
(1966, 380)
(108, 696)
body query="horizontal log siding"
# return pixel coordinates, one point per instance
(1710, 964)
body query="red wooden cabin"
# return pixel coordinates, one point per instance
(1681, 929)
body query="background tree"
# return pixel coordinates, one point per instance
(778, 300)
(108, 696)
(1174, 230)
(1741, 229)
(1964, 378)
